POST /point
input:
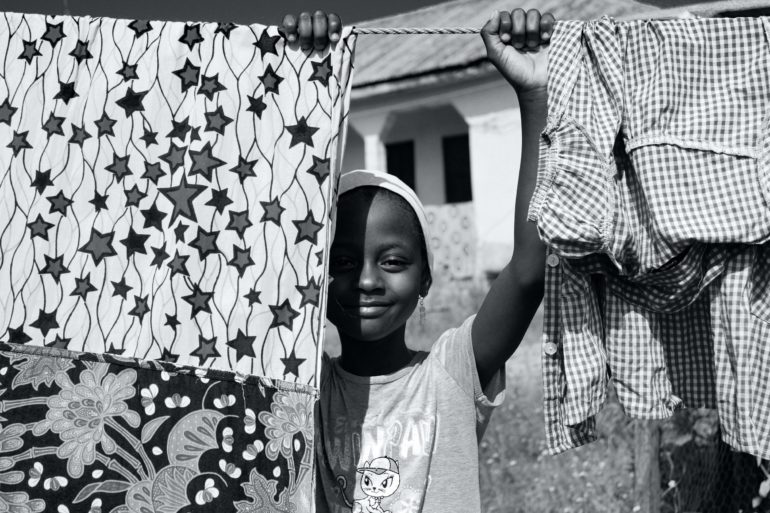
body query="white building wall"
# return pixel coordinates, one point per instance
(426, 127)
(488, 112)
(353, 157)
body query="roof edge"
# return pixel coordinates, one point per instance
(703, 9)
(482, 71)
(432, 71)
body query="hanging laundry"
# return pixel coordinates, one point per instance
(92, 433)
(689, 102)
(595, 330)
(166, 190)
(165, 196)
(710, 353)
(652, 185)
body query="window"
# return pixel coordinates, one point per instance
(457, 168)
(400, 157)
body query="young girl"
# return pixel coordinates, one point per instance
(398, 430)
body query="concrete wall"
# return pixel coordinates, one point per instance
(425, 127)
(353, 158)
(485, 109)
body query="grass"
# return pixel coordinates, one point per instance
(518, 475)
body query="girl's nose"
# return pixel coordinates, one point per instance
(370, 278)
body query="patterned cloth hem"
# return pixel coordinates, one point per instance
(162, 366)
(574, 443)
(659, 412)
(740, 446)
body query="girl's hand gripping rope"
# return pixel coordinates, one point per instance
(516, 44)
(314, 31)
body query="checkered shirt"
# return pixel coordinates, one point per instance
(673, 321)
(687, 101)
(701, 344)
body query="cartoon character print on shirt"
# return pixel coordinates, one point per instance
(380, 479)
(349, 442)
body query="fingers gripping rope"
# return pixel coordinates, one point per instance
(415, 30)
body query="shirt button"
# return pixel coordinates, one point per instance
(552, 260)
(550, 348)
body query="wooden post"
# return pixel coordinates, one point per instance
(646, 466)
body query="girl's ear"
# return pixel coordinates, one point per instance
(425, 283)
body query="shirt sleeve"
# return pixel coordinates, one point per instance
(454, 351)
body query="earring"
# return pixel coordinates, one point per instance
(422, 309)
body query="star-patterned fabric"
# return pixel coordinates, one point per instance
(165, 190)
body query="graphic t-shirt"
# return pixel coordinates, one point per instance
(406, 442)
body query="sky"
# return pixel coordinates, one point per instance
(239, 11)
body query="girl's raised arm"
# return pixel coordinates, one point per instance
(516, 45)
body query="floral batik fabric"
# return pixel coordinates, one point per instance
(166, 190)
(107, 434)
(166, 196)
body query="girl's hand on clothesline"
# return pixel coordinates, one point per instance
(312, 31)
(516, 44)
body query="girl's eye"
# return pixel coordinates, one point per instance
(341, 263)
(394, 264)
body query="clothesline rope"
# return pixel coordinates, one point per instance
(415, 30)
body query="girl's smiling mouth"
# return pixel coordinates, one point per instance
(367, 309)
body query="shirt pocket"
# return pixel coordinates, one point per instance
(693, 194)
(696, 129)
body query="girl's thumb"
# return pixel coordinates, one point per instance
(490, 30)
(492, 26)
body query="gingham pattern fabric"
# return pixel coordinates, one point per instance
(166, 190)
(671, 93)
(710, 353)
(678, 312)
(658, 361)
(741, 304)
(560, 435)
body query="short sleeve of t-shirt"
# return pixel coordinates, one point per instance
(454, 351)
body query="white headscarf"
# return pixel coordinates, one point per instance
(366, 178)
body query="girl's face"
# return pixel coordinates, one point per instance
(376, 267)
